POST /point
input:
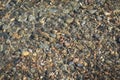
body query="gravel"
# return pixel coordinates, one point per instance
(59, 40)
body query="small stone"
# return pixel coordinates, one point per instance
(67, 44)
(85, 64)
(16, 36)
(66, 11)
(34, 54)
(8, 41)
(92, 11)
(64, 51)
(69, 20)
(5, 27)
(108, 62)
(79, 65)
(53, 10)
(4, 35)
(32, 70)
(25, 53)
(30, 50)
(75, 60)
(53, 35)
(42, 21)
(83, 23)
(2, 77)
(96, 37)
(1, 47)
(71, 63)
(80, 47)
(99, 18)
(107, 13)
(45, 34)
(77, 21)
(1, 27)
(31, 18)
(118, 40)
(24, 78)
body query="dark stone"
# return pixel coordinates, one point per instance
(1, 27)
(2, 13)
(16, 22)
(16, 60)
(96, 37)
(102, 27)
(32, 36)
(118, 40)
(47, 39)
(37, 25)
(42, 29)
(4, 35)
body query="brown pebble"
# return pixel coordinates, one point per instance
(16, 36)
(75, 60)
(67, 44)
(25, 53)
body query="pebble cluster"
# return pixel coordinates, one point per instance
(59, 40)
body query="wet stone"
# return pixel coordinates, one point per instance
(32, 36)
(118, 40)
(1, 27)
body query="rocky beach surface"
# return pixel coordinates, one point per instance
(59, 39)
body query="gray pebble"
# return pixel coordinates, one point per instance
(31, 18)
(92, 11)
(53, 35)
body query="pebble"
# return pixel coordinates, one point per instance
(92, 11)
(99, 18)
(5, 27)
(79, 65)
(8, 41)
(69, 20)
(53, 35)
(4, 35)
(25, 53)
(34, 54)
(1, 48)
(67, 44)
(64, 51)
(108, 62)
(118, 40)
(53, 10)
(44, 45)
(16, 36)
(83, 23)
(31, 18)
(42, 21)
(75, 60)
(107, 13)
(71, 63)
(32, 70)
